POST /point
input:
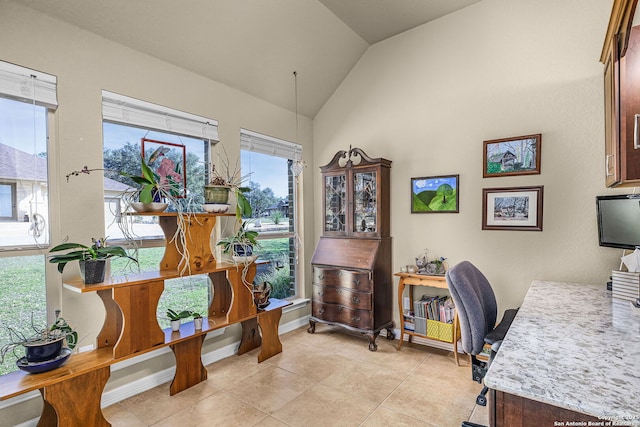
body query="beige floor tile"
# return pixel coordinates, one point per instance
(480, 415)
(329, 378)
(313, 364)
(219, 409)
(325, 406)
(439, 403)
(271, 388)
(385, 417)
(367, 381)
(228, 372)
(118, 416)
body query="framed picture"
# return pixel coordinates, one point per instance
(435, 194)
(169, 161)
(512, 156)
(517, 208)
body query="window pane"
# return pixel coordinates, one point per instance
(22, 295)
(122, 148)
(23, 175)
(188, 293)
(271, 198)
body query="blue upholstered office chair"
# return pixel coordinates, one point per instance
(477, 312)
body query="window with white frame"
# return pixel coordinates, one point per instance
(271, 165)
(27, 100)
(126, 122)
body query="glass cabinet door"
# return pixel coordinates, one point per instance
(335, 203)
(365, 202)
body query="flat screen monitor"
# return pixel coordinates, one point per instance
(619, 220)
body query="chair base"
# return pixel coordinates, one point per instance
(468, 424)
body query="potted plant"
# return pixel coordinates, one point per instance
(241, 244)
(224, 180)
(46, 349)
(197, 320)
(176, 318)
(92, 258)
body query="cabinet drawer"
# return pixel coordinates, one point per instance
(346, 297)
(361, 319)
(349, 279)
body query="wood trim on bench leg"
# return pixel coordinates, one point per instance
(250, 336)
(268, 322)
(76, 401)
(189, 368)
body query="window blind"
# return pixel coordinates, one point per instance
(28, 85)
(123, 109)
(253, 141)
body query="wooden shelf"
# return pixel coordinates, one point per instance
(72, 392)
(423, 280)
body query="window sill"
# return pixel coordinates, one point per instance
(297, 304)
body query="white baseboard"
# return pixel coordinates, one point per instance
(157, 378)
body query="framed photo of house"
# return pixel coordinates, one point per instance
(512, 156)
(516, 208)
(168, 160)
(435, 194)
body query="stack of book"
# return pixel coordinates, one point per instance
(436, 308)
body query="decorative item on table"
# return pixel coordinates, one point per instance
(261, 294)
(176, 318)
(47, 349)
(436, 266)
(92, 258)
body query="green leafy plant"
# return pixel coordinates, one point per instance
(59, 329)
(97, 250)
(195, 314)
(165, 181)
(174, 315)
(242, 240)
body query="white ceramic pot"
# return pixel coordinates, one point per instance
(175, 325)
(197, 322)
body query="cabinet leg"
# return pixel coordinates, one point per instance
(75, 402)
(390, 334)
(312, 327)
(372, 341)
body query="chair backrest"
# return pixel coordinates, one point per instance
(475, 303)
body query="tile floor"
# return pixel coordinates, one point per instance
(329, 378)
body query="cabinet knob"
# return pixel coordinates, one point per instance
(339, 273)
(356, 282)
(321, 311)
(355, 299)
(320, 276)
(356, 319)
(320, 293)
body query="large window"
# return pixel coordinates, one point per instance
(126, 122)
(271, 164)
(26, 97)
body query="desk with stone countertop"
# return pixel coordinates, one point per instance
(572, 354)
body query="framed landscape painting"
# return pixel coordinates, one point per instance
(512, 156)
(518, 208)
(435, 194)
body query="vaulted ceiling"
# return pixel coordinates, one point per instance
(254, 45)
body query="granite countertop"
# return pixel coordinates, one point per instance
(573, 346)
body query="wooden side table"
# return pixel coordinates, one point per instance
(423, 280)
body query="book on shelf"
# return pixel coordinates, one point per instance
(438, 308)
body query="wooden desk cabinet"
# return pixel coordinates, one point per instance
(352, 263)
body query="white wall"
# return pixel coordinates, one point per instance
(84, 65)
(428, 98)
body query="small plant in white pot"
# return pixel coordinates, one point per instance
(176, 318)
(197, 320)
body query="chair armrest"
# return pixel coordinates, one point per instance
(498, 333)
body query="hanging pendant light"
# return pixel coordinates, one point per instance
(298, 165)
